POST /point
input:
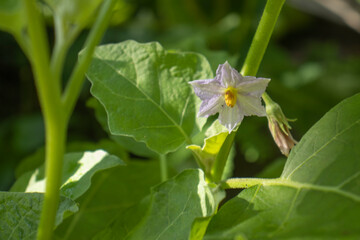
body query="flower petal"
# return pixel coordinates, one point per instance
(230, 117)
(207, 88)
(238, 78)
(250, 105)
(225, 76)
(211, 106)
(253, 86)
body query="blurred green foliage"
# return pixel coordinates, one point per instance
(313, 64)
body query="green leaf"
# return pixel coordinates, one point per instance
(112, 192)
(168, 213)
(217, 135)
(138, 148)
(317, 195)
(20, 214)
(199, 227)
(207, 154)
(78, 169)
(146, 94)
(12, 16)
(36, 159)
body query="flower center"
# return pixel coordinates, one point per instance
(230, 97)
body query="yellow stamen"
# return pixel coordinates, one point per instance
(230, 97)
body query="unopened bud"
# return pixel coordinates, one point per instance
(279, 127)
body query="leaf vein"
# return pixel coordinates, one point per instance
(321, 148)
(187, 138)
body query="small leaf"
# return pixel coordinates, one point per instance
(217, 134)
(207, 154)
(146, 94)
(20, 214)
(168, 213)
(317, 195)
(78, 170)
(198, 228)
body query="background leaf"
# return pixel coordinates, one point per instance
(35, 160)
(78, 169)
(317, 195)
(146, 94)
(168, 213)
(20, 214)
(12, 16)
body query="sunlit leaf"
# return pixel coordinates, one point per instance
(36, 159)
(146, 94)
(78, 170)
(210, 150)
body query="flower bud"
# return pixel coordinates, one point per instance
(279, 127)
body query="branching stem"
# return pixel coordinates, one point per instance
(55, 111)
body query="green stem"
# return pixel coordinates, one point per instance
(262, 37)
(55, 148)
(250, 68)
(47, 80)
(62, 43)
(235, 183)
(267, 98)
(220, 161)
(49, 97)
(163, 168)
(76, 80)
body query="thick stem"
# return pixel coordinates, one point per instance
(250, 68)
(55, 147)
(76, 80)
(49, 96)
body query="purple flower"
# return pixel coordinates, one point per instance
(231, 95)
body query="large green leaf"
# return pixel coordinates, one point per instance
(138, 148)
(20, 214)
(146, 94)
(168, 213)
(317, 195)
(78, 170)
(112, 192)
